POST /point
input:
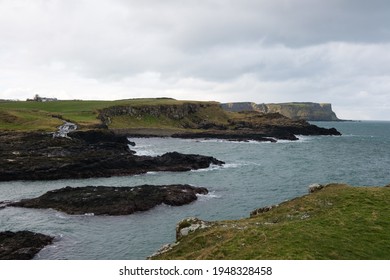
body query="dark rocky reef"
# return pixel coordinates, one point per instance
(102, 200)
(22, 245)
(262, 127)
(86, 154)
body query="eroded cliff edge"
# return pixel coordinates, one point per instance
(296, 110)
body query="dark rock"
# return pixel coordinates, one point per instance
(262, 210)
(22, 245)
(260, 127)
(4, 204)
(102, 200)
(315, 188)
(87, 154)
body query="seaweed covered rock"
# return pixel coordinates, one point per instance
(22, 245)
(85, 154)
(103, 200)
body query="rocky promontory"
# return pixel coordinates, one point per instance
(261, 127)
(84, 154)
(308, 111)
(103, 200)
(22, 245)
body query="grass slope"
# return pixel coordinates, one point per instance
(28, 116)
(337, 222)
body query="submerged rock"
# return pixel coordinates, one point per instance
(102, 200)
(22, 245)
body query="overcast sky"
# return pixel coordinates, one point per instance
(263, 51)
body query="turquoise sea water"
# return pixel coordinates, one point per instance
(255, 175)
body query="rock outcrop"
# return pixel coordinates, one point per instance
(103, 200)
(85, 154)
(262, 127)
(183, 228)
(188, 225)
(171, 111)
(22, 245)
(208, 120)
(296, 110)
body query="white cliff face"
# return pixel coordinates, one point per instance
(298, 111)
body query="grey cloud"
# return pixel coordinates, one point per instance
(256, 50)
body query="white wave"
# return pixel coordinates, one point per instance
(89, 214)
(228, 165)
(301, 138)
(225, 141)
(61, 216)
(210, 195)
(240, 164)
(145, 152)
(210, 168)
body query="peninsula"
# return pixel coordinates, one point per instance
(95, 142)
(308, 111)
(327, 224)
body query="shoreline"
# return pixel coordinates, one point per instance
(84, 154)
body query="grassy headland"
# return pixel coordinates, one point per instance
(45, 116)
(337, 222)
(158, 116)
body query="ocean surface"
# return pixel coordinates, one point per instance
(255, 175)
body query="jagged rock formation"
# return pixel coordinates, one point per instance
(296, 110)
(85, 154)
(207, 120)
(102, 200)
(171, 111)
(261, 127)
(22, 245)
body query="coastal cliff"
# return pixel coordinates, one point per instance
(190, 119)
(328, 223)
(296, 110)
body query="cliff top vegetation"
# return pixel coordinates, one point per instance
(336, 222)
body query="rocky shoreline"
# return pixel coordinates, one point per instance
(83, 154)
(248, 126)
(103, 200)
(22, 245)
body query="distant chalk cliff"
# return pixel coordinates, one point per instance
(296, 110)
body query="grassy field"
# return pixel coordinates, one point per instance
(337, 222)
(28, 115)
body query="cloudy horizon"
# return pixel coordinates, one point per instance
(262, 51)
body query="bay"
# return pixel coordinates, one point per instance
(255, 175)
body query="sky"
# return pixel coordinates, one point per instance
(263, 51)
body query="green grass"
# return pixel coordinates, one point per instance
(338, 222)
(28, 116)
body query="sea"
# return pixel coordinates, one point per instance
(255, 174)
